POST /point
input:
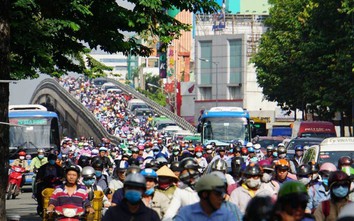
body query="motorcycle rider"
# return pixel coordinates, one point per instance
(49, 175)
(70, 192)
(21, 161)
(36, 163)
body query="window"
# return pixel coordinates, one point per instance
(205, 67)
(235, 61)
(205, 93)
(113, 60)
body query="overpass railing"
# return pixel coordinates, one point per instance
(77, 107)
(156, 107)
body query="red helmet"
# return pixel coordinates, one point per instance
(198, 149)
(266, 165)
(22, 153)
(244, 151)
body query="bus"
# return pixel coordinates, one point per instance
(32, 127)
(225, 125)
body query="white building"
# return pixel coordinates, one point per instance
(224, 74)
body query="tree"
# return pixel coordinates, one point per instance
(53, 37)
(305, 59)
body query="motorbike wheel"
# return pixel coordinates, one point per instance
(9, 191)
(14, 191)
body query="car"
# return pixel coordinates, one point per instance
(330, 150)
(265, 141)
(304, 141)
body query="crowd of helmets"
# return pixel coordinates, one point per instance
(261, 183)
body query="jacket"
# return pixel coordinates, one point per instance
(121, 212)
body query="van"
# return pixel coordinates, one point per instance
(330, 150)
(109, 85)
(322, 129)
(136, 103)
(99, 81)
(113, 91)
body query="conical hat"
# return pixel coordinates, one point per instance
(165, 171)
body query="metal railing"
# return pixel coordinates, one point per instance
(77, 107)
(156, 107)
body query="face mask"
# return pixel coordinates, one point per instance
(98, 173)
(305, 180)
(282, 156)
(209, 151)
(41, 156)
(325, 181)
(199, 154)
(275, 154)
(266, 177)
(86, 147)
(164, 186)
(51, 162)
(22, 157)
(253, 183)
(133, 196)
(149, 192)
(147, 150)
(340, 191)
(175, 153)
(88, 182)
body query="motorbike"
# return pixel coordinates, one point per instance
(67, 213)
(14, 184)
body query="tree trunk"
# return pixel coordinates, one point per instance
(4, 101)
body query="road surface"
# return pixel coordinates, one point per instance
(24, 206)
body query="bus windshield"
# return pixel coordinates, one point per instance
(226, 129)
(30, 132)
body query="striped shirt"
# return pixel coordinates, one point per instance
(79, 198)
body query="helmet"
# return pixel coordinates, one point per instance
(344, 161)
(135, 150)
(73, 168)
(249, 144)
(209, 147)
(22, 153)
(303, 170)
(102, 149)
(299, 148)
(257, 146)
(133, 169)
(330, 167)
(251, 150)
(338, 176)
(315, 167)
(122, 165)
(97, 164)
(244, 151)
(83, 161)
(266, 165)
(281, 150)
(281, 145)
(149, 173)
(270, 148)
(175, 166)
(188, 163)
(151, 163)
(198, 149)
(88, 172)
(136, 180)
(292, 187)
(253, 170)
(282, 164)
(219, 165)
(210, 182)
(237, 149)
(222, 148)
(40, 151)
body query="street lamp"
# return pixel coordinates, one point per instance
(216, 77)
(155, 86)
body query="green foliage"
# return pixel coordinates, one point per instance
(305, 59)
(53, 37)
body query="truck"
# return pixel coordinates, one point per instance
(225, 125)
(322, 129)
